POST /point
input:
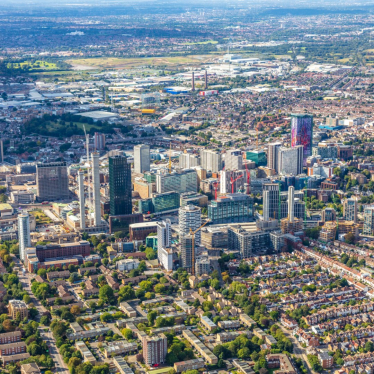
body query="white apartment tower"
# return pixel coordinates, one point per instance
(190, 218)
(163, 236)
(23, 234)
(142, 158)
(211, 160)
(82, 209)
(234, 160)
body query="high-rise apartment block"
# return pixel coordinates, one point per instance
(211, 160)
(271, 201)
(290, 160)
(120, 185)
(163, 236)
(188, 160)
(154, 349)
(368, 221)
(190, 218)
(142, 158)
(99, 141)
(177, 181)
(234, 160)
(350, 209)
(302, 132)
(186, 243)
(52, 181)
(23, 234)
(272, 157)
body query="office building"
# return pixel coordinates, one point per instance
(350, 209)
(290, 160)
(23, 234)
(368, 221)
(257, 156)
(160, 203)
(233, 159)
(16, 307)
(327, 151)
(188, 160)
(177, 181)
(211, 160)
(142, 158)
(302, 133)
(214, 237)
(99, 141)
(191, 198)
(271, 201)
(52, 181)
(231, 208)
(272, 157)
(120, 185)
(186, 252)
(190, 219)
(247, 240)
(163, 236)
(154, 349)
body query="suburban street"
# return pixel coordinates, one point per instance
(47, 336)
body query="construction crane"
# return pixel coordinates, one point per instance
(192, 233)
(232, 181)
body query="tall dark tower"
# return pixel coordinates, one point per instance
(206, 80)
(120, 185)
(193, 81)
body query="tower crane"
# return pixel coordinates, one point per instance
(248, 179)
(192, 233)
(232, 181)
(215, 187)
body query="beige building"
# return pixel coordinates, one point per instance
(18, 306)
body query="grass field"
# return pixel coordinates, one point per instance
(206, 42)
(160, 371)
(41, 218)
(128, 63)
(37, 65)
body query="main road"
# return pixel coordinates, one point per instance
(47, 335)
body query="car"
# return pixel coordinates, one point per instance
(156, 365)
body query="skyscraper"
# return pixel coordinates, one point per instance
(181, 181)
(290, 160)
(163, 236)
(142, 156)
(234, 160)
(52, 181)
(273, 156)
(368, 221)
(96, 188)
(23, 234)
(99, 141)
(211, 160)
(82, 209)
(270, 196)
(120, 185)
(302, 132)
(350, 209)
(186, 252)
(190, 218)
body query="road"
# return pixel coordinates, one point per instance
(298, 350)
(47, 336)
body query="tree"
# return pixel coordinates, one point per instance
(150, 253)
(127, 293)
(349, 238)
(145, 285)
(159, 288)
(127, 333)
(42, 272)
(152, 315)
(75, 309)
(106, 293)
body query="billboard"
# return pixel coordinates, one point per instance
(302, 132)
